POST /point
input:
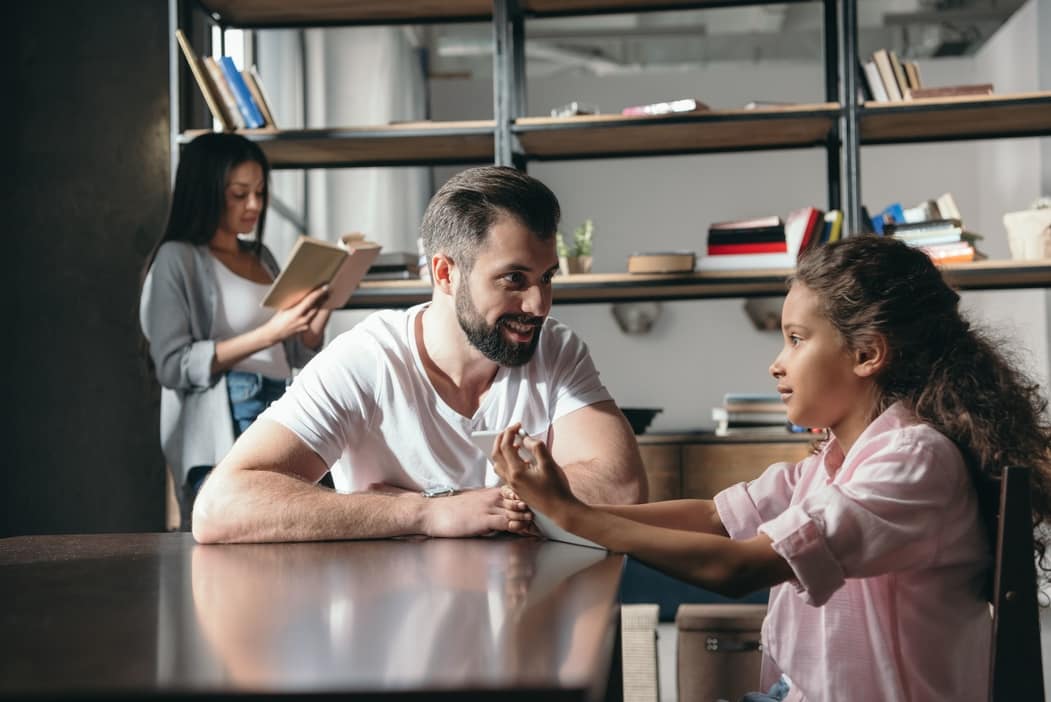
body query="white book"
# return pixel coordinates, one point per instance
(744, 262)
(879, 93)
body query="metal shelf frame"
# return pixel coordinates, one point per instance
(840, 126)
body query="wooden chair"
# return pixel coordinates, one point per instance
(1016, 670)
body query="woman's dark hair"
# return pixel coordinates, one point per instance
(459, 216)
(951, 375)
(199, 196)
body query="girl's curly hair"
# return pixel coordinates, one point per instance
(952, 376)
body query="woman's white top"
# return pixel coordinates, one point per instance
(238, 310)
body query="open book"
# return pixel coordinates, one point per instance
(314, 262)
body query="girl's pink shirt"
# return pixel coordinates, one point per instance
(890, 560)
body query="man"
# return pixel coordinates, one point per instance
(390, 405)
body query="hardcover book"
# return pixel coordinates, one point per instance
(768, 222)
(255, 86)
(253, 119)
(314, 262)
(664, 108)
(662, 262)
(204, 82)
(757, 261)
(746, 236)
(747, 247)
(886, 74)
(875, 83)
(950, 91)
(224, 91)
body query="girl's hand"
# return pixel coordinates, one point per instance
(540, 482)
(297, 318)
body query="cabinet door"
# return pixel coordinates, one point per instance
(709, 468)
(663, 463)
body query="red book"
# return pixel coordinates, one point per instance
(802, 228)
(747, 248)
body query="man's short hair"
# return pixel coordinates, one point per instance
(460, 214)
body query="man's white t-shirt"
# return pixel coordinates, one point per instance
(366, 406)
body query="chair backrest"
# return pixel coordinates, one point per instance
(1016, 671)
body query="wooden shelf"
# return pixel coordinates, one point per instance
(318, 13)
(594, 136)
(947, 119)
(402, 144)
(626, 287)
(303, 13)
(586, 7)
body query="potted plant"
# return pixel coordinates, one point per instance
(575, 257)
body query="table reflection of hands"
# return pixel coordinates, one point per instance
(408, 613)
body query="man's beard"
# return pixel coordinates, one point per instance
(490, 340)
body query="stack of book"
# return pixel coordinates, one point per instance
(768, 242)
(889, 79)
(934, 226)
(236, 98)
(750, 413)
(394, 265)
(666, 108)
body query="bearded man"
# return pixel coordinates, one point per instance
(389, 406)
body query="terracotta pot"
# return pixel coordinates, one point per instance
(568, 265)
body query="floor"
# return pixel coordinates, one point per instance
(666, 656)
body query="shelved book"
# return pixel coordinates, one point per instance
(394, 265)
(314, 262)
(762, 243)
(935, 226)
(235, 98)
(744, 413)
(661, 262)
(666, 108)
(890, 79)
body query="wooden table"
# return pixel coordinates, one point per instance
(156, 615)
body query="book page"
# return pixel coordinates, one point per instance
(312, 263)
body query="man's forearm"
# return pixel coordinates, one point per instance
(259, 505)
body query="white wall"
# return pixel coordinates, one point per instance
(701, 349)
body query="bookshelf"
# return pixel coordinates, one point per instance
(593, 288)
(403, 144)
(590, 136)
(839, 125)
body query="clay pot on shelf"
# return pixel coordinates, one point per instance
(568, 265)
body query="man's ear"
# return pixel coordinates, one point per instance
(871, 357)
(442, 268)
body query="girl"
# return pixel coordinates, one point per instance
(877, 546)
(220, 357)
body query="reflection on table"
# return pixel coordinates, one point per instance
(158, 613)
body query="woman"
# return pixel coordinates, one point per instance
(220, 357)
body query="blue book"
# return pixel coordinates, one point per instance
(245, 104)
(892, 214)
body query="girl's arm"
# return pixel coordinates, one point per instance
(678, 537)
(689, 515)
(714, 562)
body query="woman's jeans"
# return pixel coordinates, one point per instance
(250, 394)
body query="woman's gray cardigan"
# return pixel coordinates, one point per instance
(176, 312)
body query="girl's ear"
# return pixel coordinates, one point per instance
(870, 358)
(442, 272)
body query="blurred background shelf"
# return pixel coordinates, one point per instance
(627, 287)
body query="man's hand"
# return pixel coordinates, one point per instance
(475, 513)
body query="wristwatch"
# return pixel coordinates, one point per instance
(438, 491)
